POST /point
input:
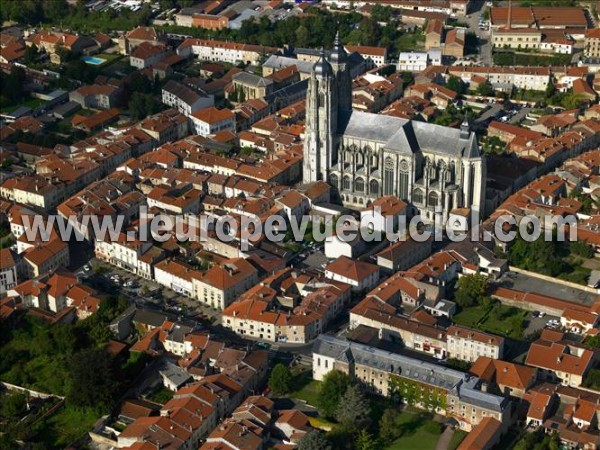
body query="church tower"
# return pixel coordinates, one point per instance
(328, 99)
(321, 121)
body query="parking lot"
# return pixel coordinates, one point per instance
(525, 283)
(142, 292)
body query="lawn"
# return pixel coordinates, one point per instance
(469, 317)
(414, 433)
(162, 395)
(499, 319)
(410, 42)
(30, 103)
(457, 438)
(66, 426)
(305, 388)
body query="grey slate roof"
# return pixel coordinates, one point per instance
(458, 383)
(251, 80)
(277, 62)
(405, 136)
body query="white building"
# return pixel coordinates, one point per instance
(412, 61)
(211, 120)
(185, 100)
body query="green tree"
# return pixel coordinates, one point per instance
(314, 440)
(485, 89)
(389, 429)
(31, 54)
(302, 36)
(471, 290)
(380, 13)
(280, 379)
(332, 389)
(582, 248)
(456, 85)
(366, 441)
(353, 410)
(550, 89)
(14, 405)
(93, 379)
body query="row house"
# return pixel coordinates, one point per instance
(468, 345)
(176, 276)
(529, 78)
(33, 191)
(123, 252)
(220, 285)
(178, 200)
(223, 51)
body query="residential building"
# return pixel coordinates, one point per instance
(433, 34)
(222, 283)
(8, 270)
(592, 43)
(560, 361)
(373, 56)
(186, 100)
(504, 378)
(147, 55)
(95, 96)
(360, 275)
(133, 38)
(176, 276)
(468, 345)
(222, 51)
(208, 121)
(517, 38)
(412, 61)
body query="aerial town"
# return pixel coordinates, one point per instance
(313, 225)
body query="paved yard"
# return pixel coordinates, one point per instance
(526, 283)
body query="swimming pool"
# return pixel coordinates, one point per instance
(93, 60)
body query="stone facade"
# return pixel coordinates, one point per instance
(366, 156)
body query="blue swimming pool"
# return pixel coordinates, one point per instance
(93, 60)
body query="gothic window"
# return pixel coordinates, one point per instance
(432, 199)
(359, 159)
(374, 161)
(388, 177)
(333, 180)
(374, 187)
(321, 99)
(359, 185)
(403, 179)
(346, 183)
(417, 196)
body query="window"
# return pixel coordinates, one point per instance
(359, 185)
(346, 183)
(374, 187)
(417, 196)
(334, 180)
(432, 199)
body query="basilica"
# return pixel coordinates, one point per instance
(366, 156)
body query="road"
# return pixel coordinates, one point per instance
(472, 20)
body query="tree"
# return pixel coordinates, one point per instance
(12, 84)
(485, 89)
(14, 405)
(302, 36)
(582, 248)
(314, 440)
(389, 430)
(456, 85)
(471, 290)
(31, 54)
(280, 379)
(353, 410)
(366, 441)
(332, 389)
(550, 89)
(93, 379)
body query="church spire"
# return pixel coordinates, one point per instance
(338, 53)
(465, 128)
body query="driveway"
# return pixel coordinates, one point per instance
(444, 441)
(485, 48)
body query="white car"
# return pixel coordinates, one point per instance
(87, 268)
(541, 314)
